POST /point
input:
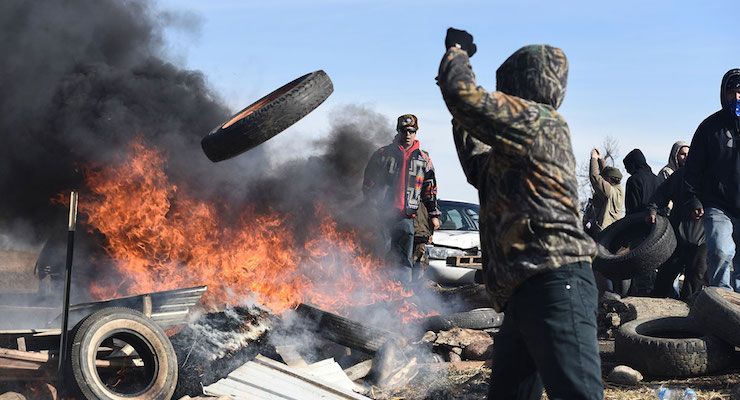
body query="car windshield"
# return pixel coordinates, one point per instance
(457, 216)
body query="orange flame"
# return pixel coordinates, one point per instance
(161, 239)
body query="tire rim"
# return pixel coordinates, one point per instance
(132, 368)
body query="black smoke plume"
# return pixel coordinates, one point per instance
(80, 79)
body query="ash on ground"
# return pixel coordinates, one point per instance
(215, 344)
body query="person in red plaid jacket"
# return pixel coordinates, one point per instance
(398, 179)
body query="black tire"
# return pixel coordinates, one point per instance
(345, 331)
(482, 318)
(155, 380)
(267, 117)
(649, 245)
(717, 312)
(670, 346)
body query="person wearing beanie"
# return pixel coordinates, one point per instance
(713, 184)
(399, 178)
(608, 197)
(515, 149)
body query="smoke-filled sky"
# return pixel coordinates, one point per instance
(643, 72)
(86, 84)
(81, 78)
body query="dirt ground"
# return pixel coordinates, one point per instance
(473, 384)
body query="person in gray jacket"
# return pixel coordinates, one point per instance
(691, 249)
(680, 149)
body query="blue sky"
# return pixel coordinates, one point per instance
(645, 73)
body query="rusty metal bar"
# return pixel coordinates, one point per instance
(67, 283)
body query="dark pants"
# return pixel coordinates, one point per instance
(548, 339)
(400, 255)
(692, 261)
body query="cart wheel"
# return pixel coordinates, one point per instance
(118, 353)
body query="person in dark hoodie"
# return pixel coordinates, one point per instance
(640, 185)
(690, 255)
(515, 148)
(713, 184)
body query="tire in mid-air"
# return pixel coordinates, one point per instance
(267, 117)
(119, 354)
(632, 245)
(670, 346)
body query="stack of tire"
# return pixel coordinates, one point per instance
(699, 344)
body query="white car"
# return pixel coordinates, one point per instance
(458, 235)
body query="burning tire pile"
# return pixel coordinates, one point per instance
(379, 361)
(217, 343)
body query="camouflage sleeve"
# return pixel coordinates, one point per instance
(494, 118)
(429, 189)
(471, 152)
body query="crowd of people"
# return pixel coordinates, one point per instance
(697, 191)
(537, 247)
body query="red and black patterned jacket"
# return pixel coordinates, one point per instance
(401, 180)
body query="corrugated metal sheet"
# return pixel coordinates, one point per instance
(268, 379)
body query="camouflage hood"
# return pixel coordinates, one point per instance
(537, 72)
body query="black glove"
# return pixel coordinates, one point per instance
(461, 38)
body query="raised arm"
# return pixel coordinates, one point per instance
(494, 118)
(598, 182)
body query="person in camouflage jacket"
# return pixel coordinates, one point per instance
(515, 148)
(398, 179)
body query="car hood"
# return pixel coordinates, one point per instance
(456, 239)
